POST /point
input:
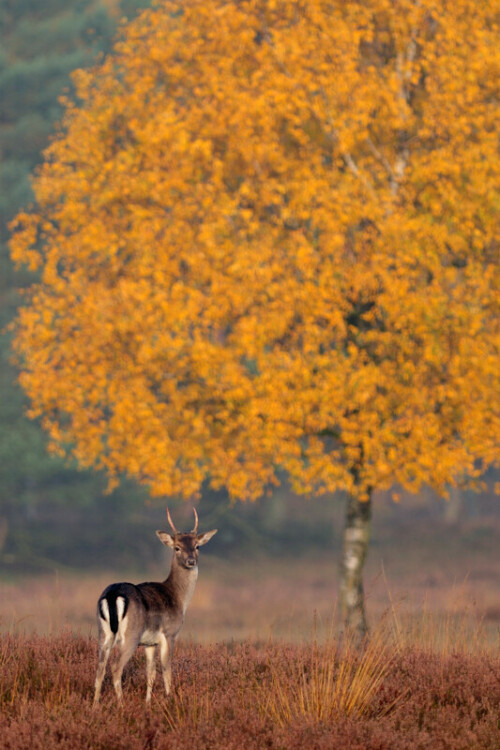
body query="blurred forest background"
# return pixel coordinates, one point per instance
(52, 515)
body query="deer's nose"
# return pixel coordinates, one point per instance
(191, 562)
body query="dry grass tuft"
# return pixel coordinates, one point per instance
(329, 680)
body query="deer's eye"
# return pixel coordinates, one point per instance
(177, 549)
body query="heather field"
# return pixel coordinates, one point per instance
(250, 695)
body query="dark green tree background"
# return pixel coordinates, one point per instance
(41, 44)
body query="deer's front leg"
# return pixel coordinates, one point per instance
(150, 670)
(166, 654)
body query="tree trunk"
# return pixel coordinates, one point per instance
(355, 542)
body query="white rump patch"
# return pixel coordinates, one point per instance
(120, 607)
(104, 610)
(122, 621)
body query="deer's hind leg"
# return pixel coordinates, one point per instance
(127, 649)
(106, 642)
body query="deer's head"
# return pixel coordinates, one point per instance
(185, 546)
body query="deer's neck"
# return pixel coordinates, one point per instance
(181, 582)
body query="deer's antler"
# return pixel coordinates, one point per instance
(195, 529)
(171, 522)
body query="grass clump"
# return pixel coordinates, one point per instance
(329, 680)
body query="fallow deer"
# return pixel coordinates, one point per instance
(149, 614)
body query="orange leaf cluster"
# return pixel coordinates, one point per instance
(268, 242)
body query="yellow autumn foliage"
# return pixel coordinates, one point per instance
(268, 241)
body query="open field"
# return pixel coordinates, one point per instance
(262, 600)
(447, 575)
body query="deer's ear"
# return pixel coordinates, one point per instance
(206, 536)
(165, 538)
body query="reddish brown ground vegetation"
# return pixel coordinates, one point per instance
(248, 696)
